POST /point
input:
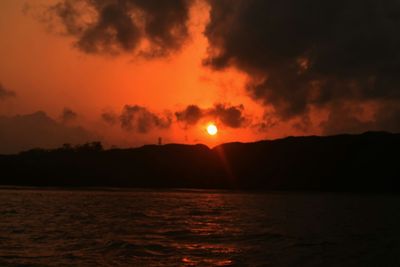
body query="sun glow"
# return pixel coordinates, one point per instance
(212, 129)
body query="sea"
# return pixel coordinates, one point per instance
(182, 227)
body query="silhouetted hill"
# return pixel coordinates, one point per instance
(366, 162)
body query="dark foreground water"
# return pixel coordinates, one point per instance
(197, 228)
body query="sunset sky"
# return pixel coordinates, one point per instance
(127, 72)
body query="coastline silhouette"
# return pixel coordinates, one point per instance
(342, 163)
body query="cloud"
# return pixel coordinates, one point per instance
(350, 118)
(231, 116)
(37, 130)
(387, 117)
(109, 117)
(4, 93)
(304, 54)
(135, 118)
(150, 28)
(345, 119)
(263, 126)
(68, 115)
(140, 119)
(190, 115)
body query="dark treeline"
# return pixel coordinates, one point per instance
(360, 163)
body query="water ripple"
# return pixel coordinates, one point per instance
(196, 228)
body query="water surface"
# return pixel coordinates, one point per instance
(197, 228)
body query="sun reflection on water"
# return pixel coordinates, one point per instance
(209, 224)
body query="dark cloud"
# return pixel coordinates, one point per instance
(4, 93)
(301, 54)
(109, 117)
(149, 27)
(68, 115)
(136, 118)
(190, 115)
(387, 117)
(140, 119)
(345, 119)
(231, 116)
(266, 123)
(349, 119)
(37, 130)
(303, 124)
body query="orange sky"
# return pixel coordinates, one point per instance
(48, 73)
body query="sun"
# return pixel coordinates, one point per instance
(212, 129)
